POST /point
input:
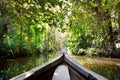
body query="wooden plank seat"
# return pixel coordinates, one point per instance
(61, 73)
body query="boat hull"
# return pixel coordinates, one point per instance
(46, 71)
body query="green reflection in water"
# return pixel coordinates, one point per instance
(107, 67)
(11, 68)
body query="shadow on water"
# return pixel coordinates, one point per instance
(107, 67)
(12, 67)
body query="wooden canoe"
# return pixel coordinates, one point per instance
(46, 71)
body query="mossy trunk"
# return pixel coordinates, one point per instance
(109, 31)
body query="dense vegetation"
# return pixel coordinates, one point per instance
(35, 29)
(94, 27)
(33, 26)
(30, 26)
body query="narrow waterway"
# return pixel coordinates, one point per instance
(107, 67)
(12, 67)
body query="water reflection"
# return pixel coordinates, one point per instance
(107, 67)
(12, 67)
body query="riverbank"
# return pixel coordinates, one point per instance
(107, 67)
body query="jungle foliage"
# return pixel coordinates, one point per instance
(32, 26)
(94, 27)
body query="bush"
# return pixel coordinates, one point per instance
(91, 52)
(82, 51)
(101, 51)
(74, 50)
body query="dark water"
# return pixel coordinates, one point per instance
(12, 67)
(107, 67)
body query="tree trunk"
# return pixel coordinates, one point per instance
(29, 39)
(109, 31)
(104, 16)
(110, 34)
(20, 42)
(119, 21)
